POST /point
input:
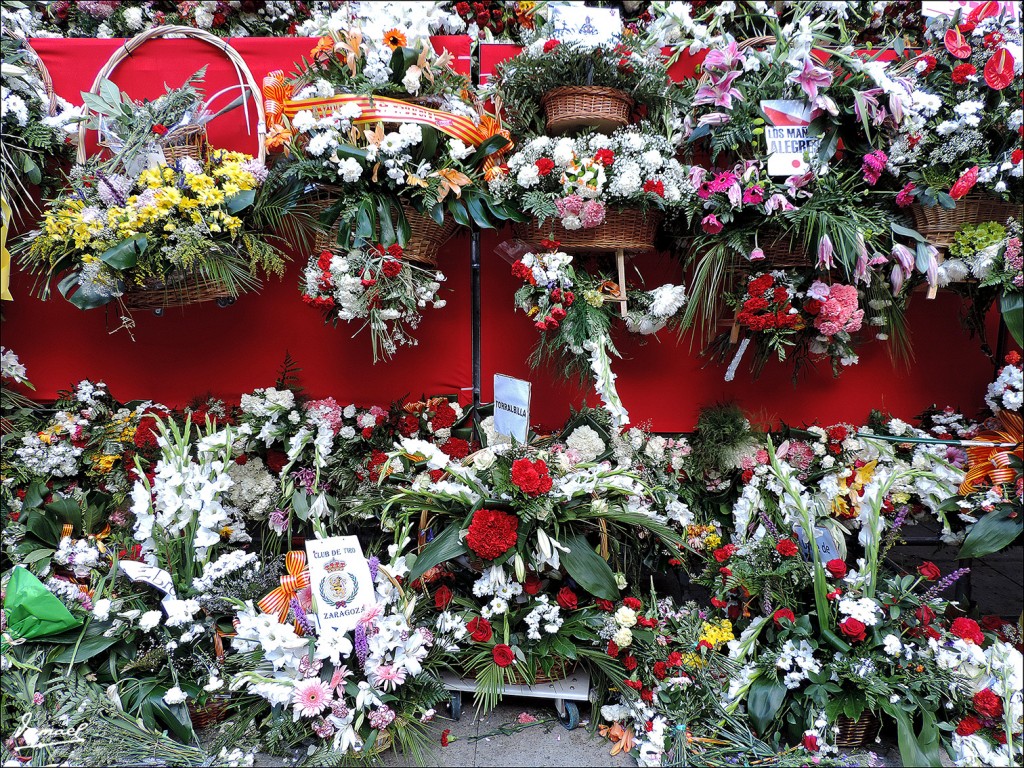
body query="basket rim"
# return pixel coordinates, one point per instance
(591, 90)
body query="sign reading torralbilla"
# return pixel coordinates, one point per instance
(512, 407)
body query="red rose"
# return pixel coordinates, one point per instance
(962, 71)
(992, 623)
(967, 630)
(532, 584)
(567, 599)
(987, 704)
(503, 655)
(630, 663)
(836, 568)
(550, 45)
(929, 570)
(442, 597)
(605, 157)
(480, 629)
(924, 614)
(160, 129)
(544, 166)
(853, 629)
(965, 183)
(783, 613)
(391, 268)
(492, 533)
(810, 742)
(605, 605)
(968, 726)
(531, 477)
(786, 548)
(724, 553)
(632, 603)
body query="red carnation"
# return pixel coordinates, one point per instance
(503, 655)
(444, 416)
(567, 599)
(558, 314)
(655, 187)
(455, 448)
(442, 597)
(276, 460)
(604, 605)
(605, 157)
(675, 659)
(480, 629)
(632, 603)
(1016, 156)
(929, 64)
(391, 268)
(987, 704)
(531, 477)
(550, 245)
(630, 663)
(962, 71)
(786, 548)
(521, 271)
(724, 553)
(660, 670)
(492, 533)
(836, 568)
(967, 630)
(783, 613)
(613, 649)
(929, 570)
(550, 45)
(446, 737)
(544, 166)
(160, 129)
(853, 629)
(969, 725)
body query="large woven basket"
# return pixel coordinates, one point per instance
(559, 671)
(425, 235)
(938, 225)
(628, 230)
(857, 733)
(781, 251)
(576, 107)
(178, 290)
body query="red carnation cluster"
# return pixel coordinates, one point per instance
(492, 533)
(531, 477)
(963, 71)
(967, 630)
(768, 307)
(444, 416)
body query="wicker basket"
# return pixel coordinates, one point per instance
(214, 711)
(179, 290)
(856, 733)
(575, 107)
(938, 225)
(425, 235)
(559, 671)
(187, 141)
(628, 230)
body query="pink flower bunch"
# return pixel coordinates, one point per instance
(873, 166)
(576, 213)
(326, 412)
(1014, 259)
(570, 205)
(835, 308)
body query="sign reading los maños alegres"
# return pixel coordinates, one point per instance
(339, 578)
(511, 407)
(787, 135)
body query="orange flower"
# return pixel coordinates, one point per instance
(451, 181)
(395, 39)
(323, 48)
(278, 139)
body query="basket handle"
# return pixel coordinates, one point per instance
(242, 71)
(44, 74)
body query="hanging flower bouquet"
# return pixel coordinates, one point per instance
(573, 311)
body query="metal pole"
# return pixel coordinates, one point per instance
(474, 286)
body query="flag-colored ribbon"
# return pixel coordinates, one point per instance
(296, 578)
(987, 463)
(5, 255)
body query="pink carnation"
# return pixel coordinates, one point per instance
(570, 205)
(873, 166)
(326, 411)
(593, 214)
(905, 196)
(839, 311)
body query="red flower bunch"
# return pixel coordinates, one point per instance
(767, 307)
(492, 533)
(987, 704)
(531, 477)
(724, 553)
(962, 71)
(968, 726)
(967, 630)
(455, 448)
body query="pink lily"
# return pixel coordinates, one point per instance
(724, 59)
(735, 195)
(811, 77)
(896, 278)
(826, 258)
(696, 176)
(903, 257)
(933, 265)
(714, 118)
(720, 93)
(777, 202)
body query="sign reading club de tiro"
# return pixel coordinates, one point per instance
(787, 136)
(339, 578)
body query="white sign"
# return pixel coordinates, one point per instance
(339, 580)
(787, 136)
(512, 407)
(827, 549)
(949, 7)
(150, 574)
(578, 23)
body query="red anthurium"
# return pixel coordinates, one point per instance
(983, 11)
(956, 44)
(965, 183)
(999, 70)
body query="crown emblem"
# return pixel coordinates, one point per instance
(335, 566)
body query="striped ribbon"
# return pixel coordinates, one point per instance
(992, 464)
(296, 578)
(5, 255)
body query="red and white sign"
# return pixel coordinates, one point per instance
(789, 142)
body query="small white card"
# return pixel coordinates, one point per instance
(578, 23)
(339, 579)
(787, 136)
(512, 407)
(150, 574)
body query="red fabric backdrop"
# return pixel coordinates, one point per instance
(232, 350)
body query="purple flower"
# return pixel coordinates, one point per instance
(811, 77)
(278, 521)
(308, 627)
(777, 203)
(362, 645)
(374, 563)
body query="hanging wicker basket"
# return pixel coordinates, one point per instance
(857, 733)
(782, 250)
(939, 225)
(214, 711)
(426, 236)
(627, 230)
(578, 107)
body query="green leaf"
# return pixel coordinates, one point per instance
(437, 214)
(68, 510)
(899, 229)
(921, 257)
(478, 213)
(428, 145)
(174, 717)
(387, 227)
(89, 647)
(828, 146)
(1012, 307)
(125, 254)
(401, 60)
(240, 201)
(44, 527)
(764, 700)
(589, 569)
(444, 547)
(485, 150)
(993, 532)
(699, 133)
(946, 201)
(458, 211)
(921, 749)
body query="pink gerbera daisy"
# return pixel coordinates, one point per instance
(311, 697)
(387, 677)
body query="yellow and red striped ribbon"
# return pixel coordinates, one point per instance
(296, 578)
(992, 464)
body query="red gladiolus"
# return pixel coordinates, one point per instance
(965, 183)
(480, 629)
(853, 629)
(503, 655)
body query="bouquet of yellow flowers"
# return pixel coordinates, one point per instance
(168, 229)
